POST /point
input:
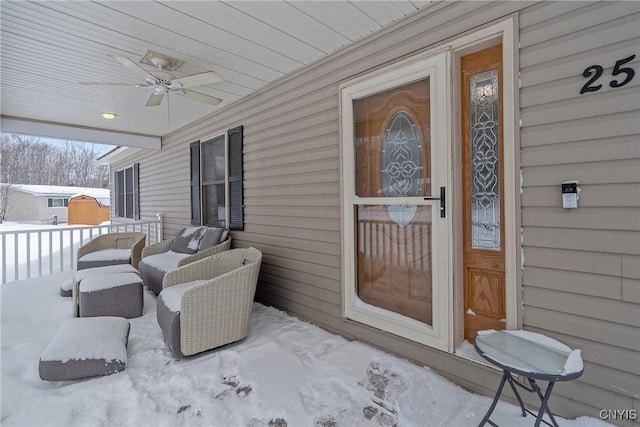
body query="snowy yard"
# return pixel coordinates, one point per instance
(285, 373)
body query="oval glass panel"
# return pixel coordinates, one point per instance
(401, 165)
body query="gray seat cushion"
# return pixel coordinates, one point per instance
(117, 294)
(83, 348)
(104, 257)
(154, 267)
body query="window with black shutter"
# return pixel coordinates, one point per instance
(216, 181)
(127, 197)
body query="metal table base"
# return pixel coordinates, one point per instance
(532, 356)
(534, 388)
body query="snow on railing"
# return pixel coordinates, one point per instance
(26, 253)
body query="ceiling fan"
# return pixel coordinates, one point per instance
(162, 83)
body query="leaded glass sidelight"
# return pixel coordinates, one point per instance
(485, 158)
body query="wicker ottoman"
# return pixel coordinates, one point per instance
(118, 294)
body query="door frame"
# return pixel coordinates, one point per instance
(435, 65)
(450, 335)
(502, 32)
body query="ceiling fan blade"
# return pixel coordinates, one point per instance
(205, 78)
(109, 84)
(133, 66)
(154, 99)
(197, 96)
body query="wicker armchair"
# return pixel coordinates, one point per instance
(158, 259)
(112, 249)
(207, 303)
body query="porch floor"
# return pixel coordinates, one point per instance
(285, 373)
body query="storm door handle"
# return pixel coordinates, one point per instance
(443, 203)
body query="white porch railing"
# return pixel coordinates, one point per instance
(36, 252)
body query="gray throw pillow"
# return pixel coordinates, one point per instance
(211, 237)
(187, 241)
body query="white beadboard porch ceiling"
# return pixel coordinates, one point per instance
(48, 47)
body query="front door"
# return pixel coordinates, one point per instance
(483, 191)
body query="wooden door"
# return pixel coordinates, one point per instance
(483, 184)
(392, 161)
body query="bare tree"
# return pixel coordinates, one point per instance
(6, 196)
(27, 160)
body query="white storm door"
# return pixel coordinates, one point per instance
(395, 167)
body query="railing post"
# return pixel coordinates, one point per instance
(39, 253)
(160, 227)
(50, 251)
(28, 254)
(61, 250)
(71, 254)
(4, 259)
(15, 257)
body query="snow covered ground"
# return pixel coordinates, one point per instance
(285, 373)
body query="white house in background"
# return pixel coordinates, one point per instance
(38, 203)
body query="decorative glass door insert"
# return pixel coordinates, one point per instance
(485, 155)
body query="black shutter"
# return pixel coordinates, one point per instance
(115, 192)
(236, 197)
(136, 190)
(194, 148)
(120, 194)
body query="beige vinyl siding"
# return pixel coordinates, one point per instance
(580, 278)
(574, 285)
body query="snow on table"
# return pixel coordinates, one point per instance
(529, 352)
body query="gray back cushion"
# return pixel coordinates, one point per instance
(187, 241)
(211, 237)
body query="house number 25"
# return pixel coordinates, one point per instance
(595, 72)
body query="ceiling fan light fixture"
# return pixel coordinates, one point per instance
(108, 115)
